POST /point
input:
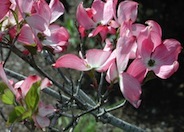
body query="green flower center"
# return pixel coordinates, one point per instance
(151, 62)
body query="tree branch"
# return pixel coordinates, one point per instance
(105, 117)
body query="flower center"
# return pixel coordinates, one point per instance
(151, 62)
(41, 36)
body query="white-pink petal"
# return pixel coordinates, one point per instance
(96, 57)
(57, 9)
(165, 71)
(112, 73)
(37, 22)
(127, 11)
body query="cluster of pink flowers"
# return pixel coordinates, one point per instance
(32, 21)
(142, 44)
(21, 88)
(126, 58)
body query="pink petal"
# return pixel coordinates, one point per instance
(167, 52)
(108, 45)
(165, 57)
(42, 8)
(137, 28)
(24, 6)
(37, 22)
(4, 8)
(83, 19)
(107, 63)
(131, 89)
(165, 71)
(154, 27)
(73, 62)
(98, 7)
(5, 79)
(57, 9)
(96, 57)
(107, 12)
(97, 30)
(44, 110)
(26, 35)
(28, 82)
(127, 11)
(112, 73)
(41, 122)
(145, 45)
(124, 46)
(137, 69)
(45, 83)
(58, 33)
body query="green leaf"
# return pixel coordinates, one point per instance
(26, 114)
(16, 114)
(8, 97)
(3, 86)
(33, 96)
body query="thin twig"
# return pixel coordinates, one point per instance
(116, 107)
(100, 87)
(2, 115)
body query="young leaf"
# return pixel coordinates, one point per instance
(33, 96)
(26, 114)
(3, 86)
(8, 97)
(16, 114)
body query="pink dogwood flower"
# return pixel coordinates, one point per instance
(97, 18)
(40, 118)
(154, 54)
(38, 14)
(45, 34)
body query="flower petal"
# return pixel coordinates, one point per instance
(73, 62)
(137, 69)
(96, 57)
(41, 122)
(131, 89)
(83, 19)
(28, 82)
(127, 11)
(112, 73)
(57, 9)
(124, 47)
(44, 110)
(5, 79)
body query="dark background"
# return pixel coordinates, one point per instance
(164, 99)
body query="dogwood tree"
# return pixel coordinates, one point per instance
(127, 52)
